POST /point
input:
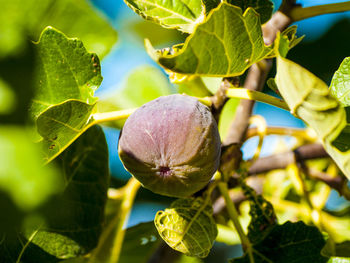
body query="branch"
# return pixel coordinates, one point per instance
(282, 160)
(255, 80)
(338, 183)
(300, 13)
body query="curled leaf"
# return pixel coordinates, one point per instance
(309, 98)
(188, 226)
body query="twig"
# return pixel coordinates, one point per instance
(255, 80)
(300, 13)
(281, 160)
(306, 134)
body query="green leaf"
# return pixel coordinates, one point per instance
(66, 78)
(21, 20)
(288, 243)
(22, 176)
(309, 98)
(340, 86)
(188, 226)
(143, 239)
(61, 125)
(180, 14)
(74, 219)
(65, 71)
(263, 217)
(233, 42)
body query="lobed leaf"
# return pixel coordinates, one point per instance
(233, 42)
(66, 78)
(288, 243)
(65, 71)
(180, 14)
(309, 98)
(188, 226)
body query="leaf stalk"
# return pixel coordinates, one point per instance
(242, 93)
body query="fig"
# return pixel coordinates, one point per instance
(171, 145)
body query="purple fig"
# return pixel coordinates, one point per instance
(171, 145)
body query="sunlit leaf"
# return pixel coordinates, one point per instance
(21, 20)
(66, 78)
(288, 243)
(233, 42)
(188, 226)
(309, 98)
(61, 125)
(73, 220)
(180, 14)
(65, 71)
(340, 86)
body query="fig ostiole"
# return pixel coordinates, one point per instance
(171, 145)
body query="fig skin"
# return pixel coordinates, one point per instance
(171, 145)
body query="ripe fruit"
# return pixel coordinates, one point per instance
(171, 145)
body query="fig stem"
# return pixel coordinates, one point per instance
(231, 209)
(242, 93)
(112, 116)
(299, 13)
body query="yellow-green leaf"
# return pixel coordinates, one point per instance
(308, 97)
(65, 81)
(180, 14)
(233, 42)
(188, 226)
